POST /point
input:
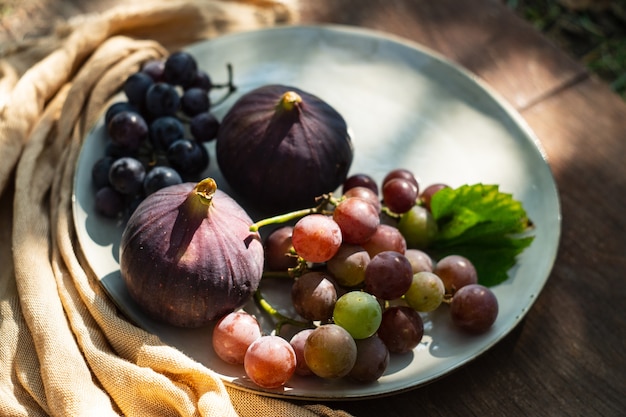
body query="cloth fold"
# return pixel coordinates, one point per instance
(64, 348)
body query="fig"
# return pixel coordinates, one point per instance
(280, 147)
(187, 255)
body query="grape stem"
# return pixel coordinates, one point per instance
(230, 85)
(280, 318)
(324, 200)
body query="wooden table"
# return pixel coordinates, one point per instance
(567, 357)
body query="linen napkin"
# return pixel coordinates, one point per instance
(64, 348)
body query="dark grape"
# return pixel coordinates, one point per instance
(202, 80)
(160, 177)
(100, 172)
(401, 329)
(126, 175)
(401, 173)
(109, 202)
(136, 86)
(162, 99)
(188, 157)
(456, 272)
(127, 129)
(314, 296)
(164, 131)
(474, 308)
(195, 101)
(278, 246)
(154, 68)
(399, 195)
(116, 108)
(360, 180)
(372, 359)
(180, 69)
(204, 127)
(117, 151)
(388, 275)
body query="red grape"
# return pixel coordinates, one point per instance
(456, 272)
(232, 335)
(474, 308)
(316, 237)
(357, 220)
(270, 361)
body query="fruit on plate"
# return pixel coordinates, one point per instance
(280, 147)
(187, 255)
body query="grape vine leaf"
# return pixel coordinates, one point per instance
(487, 226)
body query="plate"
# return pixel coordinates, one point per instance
(407, 107)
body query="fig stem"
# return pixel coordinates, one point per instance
(206, 189)
(324, 200)
(280, 318)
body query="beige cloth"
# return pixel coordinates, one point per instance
(64, 349)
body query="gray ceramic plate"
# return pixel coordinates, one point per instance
(407, 107)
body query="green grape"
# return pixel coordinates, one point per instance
(359, 313)
(418, 227)
(426, 292)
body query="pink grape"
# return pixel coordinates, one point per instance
(297, 343)
(316, 237)
(270, 361)
(357, 220)
(474, 308)
(233, 334)
(456, 271)
(385, 238)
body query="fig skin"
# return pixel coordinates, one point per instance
(188, 260)
(279, 150)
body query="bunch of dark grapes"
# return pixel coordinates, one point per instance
(155, 138)
(362, 281)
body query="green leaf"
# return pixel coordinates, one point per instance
(483, 224)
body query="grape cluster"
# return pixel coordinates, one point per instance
(155, 138)
(362, 279)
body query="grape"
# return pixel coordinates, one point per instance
(426, 292)
(109, 202)
(202, 80)
(418, 227)
(270, 361)
(127, 129)
(359, 313)
(401, 329)
(399, 195)
(160, 177)
(136, 86)
(204, 127)
(372, 359)
(428, 193)
(348, 265)
(162, 99)
(180, 69)
(117, 151)
(313, 295)
(388, 275)
(456, 272)
(401, 173)
(420, 261)
(116, 108)
(278, 246)
(126, 175)
(188, 157)
(297, 342)
(195, 101)
(233, 334)
(364, 193)
(360, 180)
(474, 308)
(330, 351)
(316, 237)
(100, 172)
(385, 238)
(154, 68)
(357, 220)
(164, 131)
